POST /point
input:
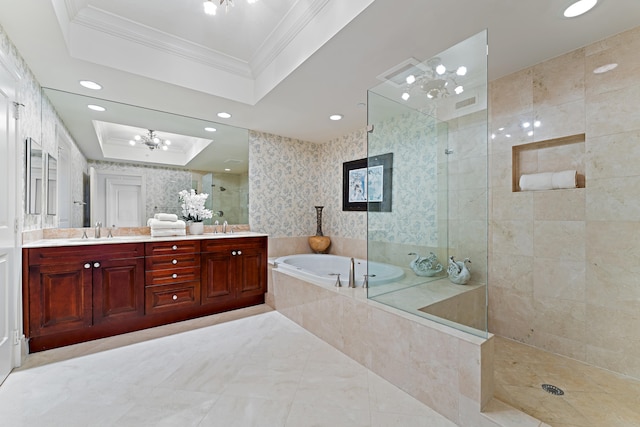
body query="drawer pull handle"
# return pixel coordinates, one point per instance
(174, 247)
(174, 275)
(96, 264)
(239, 252)
(175, 261)
(175, 297)
(233, 253)
(87, 265)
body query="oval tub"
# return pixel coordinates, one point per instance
(322, 269)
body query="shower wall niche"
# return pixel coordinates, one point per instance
(432, 116)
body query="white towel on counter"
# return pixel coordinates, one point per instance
(166, 232)
(158, 225)
(166, 217)
(548, 180)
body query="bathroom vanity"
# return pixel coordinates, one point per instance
(78, 290)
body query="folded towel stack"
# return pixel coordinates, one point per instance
(548, 180)
(163, 225)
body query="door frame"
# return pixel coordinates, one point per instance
(9, 239)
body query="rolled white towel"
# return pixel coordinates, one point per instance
(548, 180)
(157, 224)
(564, 179)
(536, 181)
(166, 217)
(166, 232)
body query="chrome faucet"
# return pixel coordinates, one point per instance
(224, 226)
(216, 224)
(352, 280)
(98, 225)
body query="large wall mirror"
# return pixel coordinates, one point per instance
(148, 156)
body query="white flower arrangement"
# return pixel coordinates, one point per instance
(193, 206)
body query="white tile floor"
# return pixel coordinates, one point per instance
(260, 370)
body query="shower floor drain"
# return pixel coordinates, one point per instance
(552, 389)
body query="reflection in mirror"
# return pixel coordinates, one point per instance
(34, 171)
(52, 184)
(209, 157)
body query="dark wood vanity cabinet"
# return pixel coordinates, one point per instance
(172, 276)
(233, 270)
(79, 293)
(74, 288)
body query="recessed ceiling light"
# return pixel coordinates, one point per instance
(605, 68)
(335, 117)
(90, 85)
(227, 170)
(224, 115)
(579, 7)
(96, 107)
(210, 129)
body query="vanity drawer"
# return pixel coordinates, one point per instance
(84, 253)
(178, 260)
(172, 247)
(173, 275)
(163, 298)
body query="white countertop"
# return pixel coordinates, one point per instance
(77, 241)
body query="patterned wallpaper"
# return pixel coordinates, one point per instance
(289, 177)
(413, 139)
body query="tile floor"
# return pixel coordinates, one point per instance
(249, 367)
(593, 397)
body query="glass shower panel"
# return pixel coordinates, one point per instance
(430, 117)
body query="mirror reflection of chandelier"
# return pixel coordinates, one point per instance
(211, 6)
(436, 81)
(151, 140)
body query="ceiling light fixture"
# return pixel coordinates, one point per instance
(210, 129)
(151, 140)
(436, 80)
(90, 85)
(211, 6)
(605, 68)
(580, 7)
(224, 115)
(96, 107)
(335, 117)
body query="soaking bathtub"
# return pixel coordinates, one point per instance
(323, 269)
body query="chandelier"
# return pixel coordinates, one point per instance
(151, 140)
(211, 6)
(436, 81)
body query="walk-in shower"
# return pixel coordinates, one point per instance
(431, 116)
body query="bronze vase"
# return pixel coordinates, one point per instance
(319, 243)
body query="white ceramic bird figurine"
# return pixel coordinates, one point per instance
(458, 271)
(425, 266)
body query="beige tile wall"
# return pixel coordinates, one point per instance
(564, 270)
(449, 370)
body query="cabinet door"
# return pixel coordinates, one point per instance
(118, 290)
(216, 274)
(60, 298)
(250, 271)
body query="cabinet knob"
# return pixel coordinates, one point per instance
(96, 264)
(174, 275)
(174, 247)
(239, 252)
(175, 297)
(87, 265)
(233, 253)
(175, 261)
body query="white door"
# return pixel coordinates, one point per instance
(9, 254)
(124, 202)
